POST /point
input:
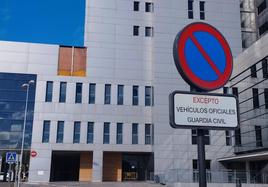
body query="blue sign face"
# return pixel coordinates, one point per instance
(203, 56)
(11, 157)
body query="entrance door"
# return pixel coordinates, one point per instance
(65, 166)
(136, 167)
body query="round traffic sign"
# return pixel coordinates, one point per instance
(203, 56)
(33, 153)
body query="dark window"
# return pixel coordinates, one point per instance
(78, 93)
(149, 31)
(60, 131)
(106, 133)
(119, 133)
(261, 7)
(76, 135)
(238, 137)
(136, 5)
(135, 133)
(135, 95)
(235, 91)
(120, 94)
(263, 28)
(196, 168)
(63, 86)
(90, 132)
(264, 68)
(148, 96)
(258, 135)
(149, 7)
(228, 138)
(107, 94)
(266, 98)
(253, 71)
(46, 129)
(92, 92)
(136, 30)
(206, 137)
(49, 91)
(148, 134)
(255, 93)
(225, 90)
(190, 9)
(202, 9)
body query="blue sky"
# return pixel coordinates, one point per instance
(43, 21)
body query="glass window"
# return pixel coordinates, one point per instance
(225, 90)
(78, 93)
(136, 5)
(135, 133)
(149, 7)
(106, 133)
(49, 91)
(60, 131)
(266, 98)
(63, 86)
(107, 94)
(92, 92)
(195, 170)
(206, 137)
(135, 95)
(258, 135)
(263, 28)
(253, 71)
(90, 132)
(148, 134)
(255, 93)
(190, 9)
(46, 130)
(149, 31)
(235, 91)
(264, 68)
(136, 30)
(238, 137)
(228, 138)
(202, 9)
(76, 135)
(119, 133)
(120, 95)
(261, 7)
(148, 95)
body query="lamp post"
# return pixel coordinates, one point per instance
(27, 86)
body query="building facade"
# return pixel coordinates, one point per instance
(103, 109)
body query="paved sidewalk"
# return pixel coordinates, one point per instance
(86, 184)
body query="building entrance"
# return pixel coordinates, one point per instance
(137, 167)
(65, 166)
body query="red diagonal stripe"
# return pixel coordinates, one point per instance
(205, 55)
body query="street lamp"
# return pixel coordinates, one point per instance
(27, 86)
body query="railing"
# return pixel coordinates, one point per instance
(225, 176)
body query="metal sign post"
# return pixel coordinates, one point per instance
(201, 158)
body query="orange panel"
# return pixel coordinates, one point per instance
(80, 58)
(112, 167)
(65, 61)
(85, 172)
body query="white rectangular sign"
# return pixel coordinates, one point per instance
(198, 110)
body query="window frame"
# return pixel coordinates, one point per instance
(46, 131)
(135, 98)
(135, 136)
(63, 91)
(60, 134)
(120, 94)
(92, 93)
(78, 95)
(77, 132)
(119, 133)
(49, 93)
(106, 133)
(90, 134)
(107, 94)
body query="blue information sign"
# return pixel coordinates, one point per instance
(11, 157)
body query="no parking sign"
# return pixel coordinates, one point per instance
(203, 56)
